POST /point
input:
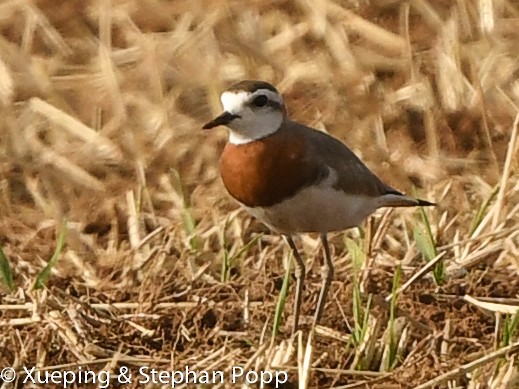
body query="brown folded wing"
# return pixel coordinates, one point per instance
(353, 177)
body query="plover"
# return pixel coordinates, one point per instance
(293, 178)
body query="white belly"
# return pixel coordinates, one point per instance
(316, 209)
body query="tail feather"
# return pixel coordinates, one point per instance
(396, 199)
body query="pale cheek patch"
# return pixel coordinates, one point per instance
(234, 102)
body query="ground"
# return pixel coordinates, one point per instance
(123, 250)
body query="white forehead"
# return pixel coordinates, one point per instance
(235, 101)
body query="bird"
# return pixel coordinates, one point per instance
(295, 179)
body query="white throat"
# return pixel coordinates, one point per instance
(255, 129)
(252, 124)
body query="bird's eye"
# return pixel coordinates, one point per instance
(260, 101)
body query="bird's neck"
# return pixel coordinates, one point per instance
(253, 130)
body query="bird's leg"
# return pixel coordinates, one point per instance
(300, 280)
(327, 275)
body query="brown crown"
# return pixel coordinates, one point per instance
(251, 86)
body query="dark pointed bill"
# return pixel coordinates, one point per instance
(221, 120)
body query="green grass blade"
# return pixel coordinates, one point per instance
(424, 244)
(41, 280)
(427, 246)
(393, 344)
(6, 272)
(280, 306)
(510, 329)
(230, 261)
(187, 215)
(244, 249)
(425, 241)
(359, 315)
(357, 255)
(425, 221)
(478, 218)
(365, 323)
(513, 328)
(224, 272)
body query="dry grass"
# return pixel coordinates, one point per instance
(102, 104)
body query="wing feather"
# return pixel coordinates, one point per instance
(353, 176)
